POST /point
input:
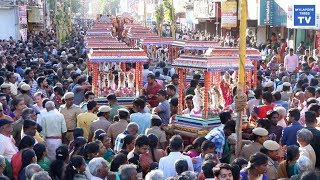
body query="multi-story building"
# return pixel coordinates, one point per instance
(9, 19)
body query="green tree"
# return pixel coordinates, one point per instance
(76, 5)
(111, 7)
(159, 19)
(170, 15)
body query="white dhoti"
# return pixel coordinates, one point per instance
(52, 145)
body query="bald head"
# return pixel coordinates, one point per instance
(285, 79)
(301, 96)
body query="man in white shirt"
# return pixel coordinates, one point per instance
(12, 81)
(291, 61)
(7, 148)
(282, 115)
(145, 72)
(53, 128)
(167, 165)
(316, 54)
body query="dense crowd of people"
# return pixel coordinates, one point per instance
(51, 127)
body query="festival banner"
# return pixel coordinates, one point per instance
(317, 40)
(229, 14)
(201, 9)
(35, 15)
(271, 14)
(24, 34)
(23, 15)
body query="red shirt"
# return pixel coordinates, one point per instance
(153, 90)
(263, 109)
(16, 163)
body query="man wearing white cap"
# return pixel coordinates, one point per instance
(269, 86)
(259, 136)
(53, 128)
(12, 80)
(70, 112)
(271, 149)
(25, 89)
(286, 91)
(6, 88)
(102, 121)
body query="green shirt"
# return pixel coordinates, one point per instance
(45, 164)
(114, 110)
(8, 171)
(190, 90)
(108, 155)
(293, 170)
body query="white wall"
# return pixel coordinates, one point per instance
(9, 23)
(261, 34)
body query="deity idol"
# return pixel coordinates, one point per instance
(226, 90)
(130, 78)
(198, 103)
(111, 83)
(215, 100)
(122, 80)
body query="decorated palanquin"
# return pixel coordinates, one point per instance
(133, 33)
(211, 99)
(189, 47)
(107, 45)
(128, 85)
(151, 46)
(200, 45)
(107, 58)
(251, 54)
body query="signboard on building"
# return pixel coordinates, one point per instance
(35, 15)
(303, 16)
(229, 14)
(24, 33)
(271, 14)
(201, 9)
(317, 40)
(23, 15)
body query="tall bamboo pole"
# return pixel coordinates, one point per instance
(70, 4)
(145, 13)
(173, 21)
(62, 5)
(70, 17)
(55, 8)
(241, 74)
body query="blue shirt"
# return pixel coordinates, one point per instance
(78, 94)
(289, 134)
(143, 120)
(197, 163)
(120, 141)
(216, 135)
(20, 71)
(284, 104)
(165, 112)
